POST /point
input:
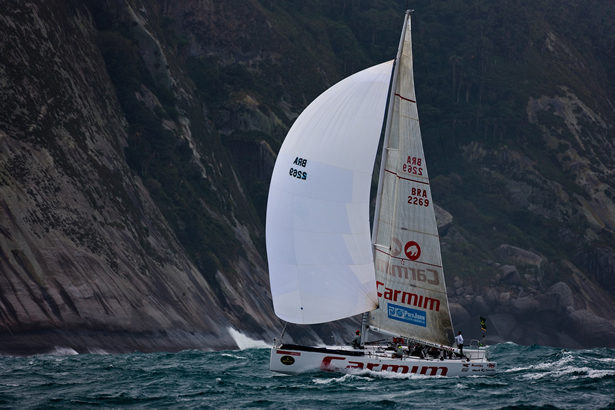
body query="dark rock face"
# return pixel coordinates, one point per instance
(444, 220)
(547, 318)
(519, 257)
(510, 275)
(86, 258)
(458, 313)
(562, 294)
(601, 262)
(591, 330)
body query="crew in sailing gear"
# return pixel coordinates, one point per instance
(356, 342)
(434, 352)
(459, 340)
(399, 351)
(416, 350)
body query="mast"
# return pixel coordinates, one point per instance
(388, 118)
(387, 130)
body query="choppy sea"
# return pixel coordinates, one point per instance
(529, 377)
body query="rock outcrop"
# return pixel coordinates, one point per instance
(526, 316)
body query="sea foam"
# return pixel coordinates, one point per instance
(244, 342)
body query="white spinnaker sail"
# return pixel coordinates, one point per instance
(318, 232)
(409, 275)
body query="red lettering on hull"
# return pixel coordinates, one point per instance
(434, 370)
(326, 365)
(395, 367)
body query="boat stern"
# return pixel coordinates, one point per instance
(291, 361)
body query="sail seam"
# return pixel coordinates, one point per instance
(408, 117)
(424, 233)
(407, 179)
(404, 98)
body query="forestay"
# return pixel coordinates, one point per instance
(318, 232)
(410, 280)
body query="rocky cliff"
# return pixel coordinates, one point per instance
(137, 138)
(88, 260)
(547, 190)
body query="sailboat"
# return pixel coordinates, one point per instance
(325, 265)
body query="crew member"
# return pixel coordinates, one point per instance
(356, 342)
(416, 350)
(459, 340)
(399, 351)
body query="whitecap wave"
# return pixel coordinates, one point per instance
(461, 386)
(598, 374)
(567, 366)
(63, 351)
(342, 379)
(244, 342)
(95, 350)
(233, 356)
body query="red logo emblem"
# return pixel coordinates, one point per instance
(412, 250)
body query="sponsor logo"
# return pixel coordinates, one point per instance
(408, 298)
(287, 360)
(404, 314)
(491, 365)
(416, 273)
(412, 250)
(465, 369)
(332, 363)
(477, 365)
(466, 364)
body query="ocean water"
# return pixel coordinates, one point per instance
(529, 377)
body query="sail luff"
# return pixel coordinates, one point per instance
(387, 131)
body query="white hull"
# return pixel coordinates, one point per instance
(298, 359)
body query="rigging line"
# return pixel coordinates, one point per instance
(282, 334)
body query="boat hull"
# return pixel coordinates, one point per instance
(296, 360)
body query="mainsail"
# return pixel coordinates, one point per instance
(318, 232)
(409, 276)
